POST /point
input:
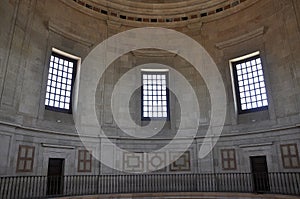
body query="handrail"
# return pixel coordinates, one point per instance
(73, 185)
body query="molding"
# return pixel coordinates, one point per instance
(296, 126)
(171, 15)
(186, 5)
(154, 53)
(113, 24)
(18, 126)
(193, 194)
(255, 145)
(57, 146)
(195, 26)
(231, 42)
(296, 6)
(56, 29)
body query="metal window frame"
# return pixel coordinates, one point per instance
(167, 96)
(75, 62)
(237, 90)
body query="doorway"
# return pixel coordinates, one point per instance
(55, 176)
(259, 169)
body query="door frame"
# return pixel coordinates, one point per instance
(56, 179)
(260, 180)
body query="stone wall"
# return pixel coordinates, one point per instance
(31, 28)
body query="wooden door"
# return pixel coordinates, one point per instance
(55, 176)
(260, 174)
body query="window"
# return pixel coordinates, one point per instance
(251, 93)
(25, 159)
(84, 161)
(228, 159)
(290, 156)
(155, 95)
(61, 76)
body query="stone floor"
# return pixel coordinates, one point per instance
(188, 196)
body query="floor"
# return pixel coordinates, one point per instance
(187, 196)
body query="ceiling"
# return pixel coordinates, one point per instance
(158, 1)
(168, 12)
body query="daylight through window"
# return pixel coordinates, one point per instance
(155, 95)
(59, 84)
(250, 84)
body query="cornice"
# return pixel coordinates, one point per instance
(139, 14)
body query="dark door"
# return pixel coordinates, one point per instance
(55, 176)
(260, 174)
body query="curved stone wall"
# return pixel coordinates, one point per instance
(30, 29)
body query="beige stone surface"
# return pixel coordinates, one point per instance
(190, 195)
